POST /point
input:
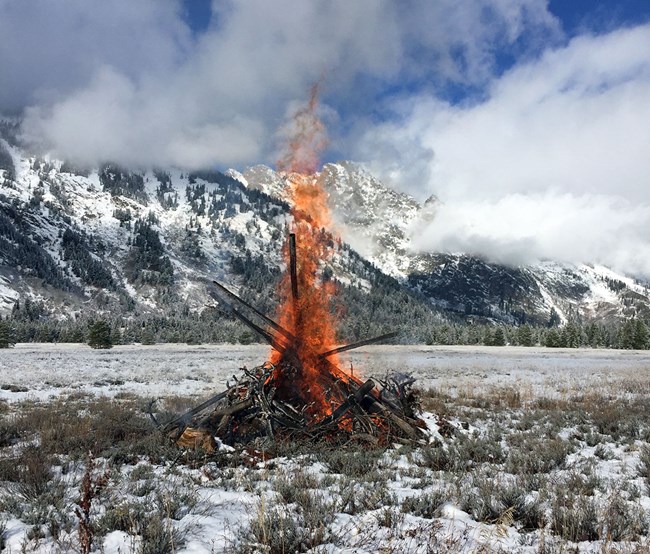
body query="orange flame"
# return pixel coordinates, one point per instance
(308, 318)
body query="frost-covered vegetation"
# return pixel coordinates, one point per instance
(361, 314)
(528, 453)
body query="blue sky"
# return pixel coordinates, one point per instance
(578, 16)
(527, 119)
(575, 16)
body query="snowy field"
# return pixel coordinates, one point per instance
(531, 451)
(48, 370)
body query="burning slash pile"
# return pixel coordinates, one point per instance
(302, 392)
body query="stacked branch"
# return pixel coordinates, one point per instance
(304, 395)
(251, 410)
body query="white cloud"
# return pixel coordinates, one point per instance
(575, 120)
(114, 120)
(50, 49)
(126, 81)
(523, 228)
(553, 164)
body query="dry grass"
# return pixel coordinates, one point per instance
(508, 460)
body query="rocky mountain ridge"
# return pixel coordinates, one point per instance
(379, 223)
(118, 240)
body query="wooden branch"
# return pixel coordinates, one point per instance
(232, 410)
(379, 408)
(261, 332)
(293, 267)
(187, 416)
(264, 317)
(358, 344)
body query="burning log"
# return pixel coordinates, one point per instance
(359, 344)
(301, 392)
(293, 266)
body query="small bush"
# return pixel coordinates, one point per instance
(357, 463)
(573, 517)
(389, 517)
(623, 520)
(426, 505)
(275, 529)
(9, 432)
(479, 450)
(295, 486)
(34, 473)
(644, 465)
(439, 458)
(527, 510)
(480, 500)
(584, 483)
(532, 454)
(355, 497)
(159, 536)
(125, 517)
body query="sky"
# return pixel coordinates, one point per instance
(528, 120)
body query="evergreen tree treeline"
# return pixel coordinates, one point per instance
(7, 337)
(360, 315)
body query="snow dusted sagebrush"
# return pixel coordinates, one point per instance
(530, 451)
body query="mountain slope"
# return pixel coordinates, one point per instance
(144, 244)
(379, 223)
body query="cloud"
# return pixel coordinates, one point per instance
(129, 82)
(553, 163)
(524, 228)
(51, 49)
(548, 159)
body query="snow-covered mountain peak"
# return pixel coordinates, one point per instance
(130, 240)
(269, 181)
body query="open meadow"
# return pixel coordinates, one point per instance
(531, 450)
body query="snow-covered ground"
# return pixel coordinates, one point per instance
(531, 450)
(47, 370)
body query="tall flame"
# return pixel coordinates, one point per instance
(308, 317)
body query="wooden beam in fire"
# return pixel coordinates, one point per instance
(293, 267)
(359, 344)
(252, 308)
(268, 336)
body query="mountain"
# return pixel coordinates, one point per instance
(378, 222)
(75, 242)
(145, 244)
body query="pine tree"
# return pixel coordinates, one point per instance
(147, 337)
(499, 338)
(570, 336)
(99, 335)
(6, 335)
(627, 333)
(552, 339)
(640, 340)
(525, 335)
